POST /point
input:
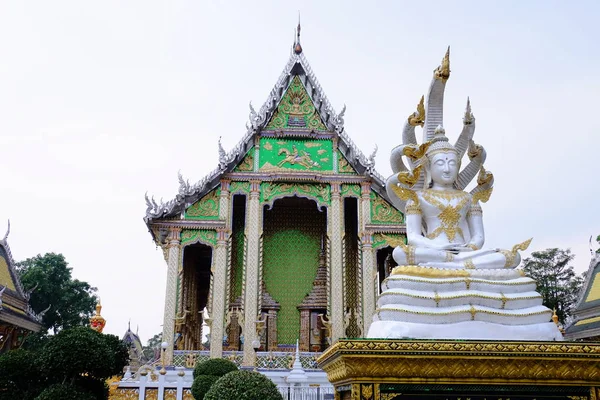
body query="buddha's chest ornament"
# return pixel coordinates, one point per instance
(450, 206)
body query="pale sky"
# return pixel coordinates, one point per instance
(103, 101)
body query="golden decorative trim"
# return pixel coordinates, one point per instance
(412, 209)
(415, 270)
(472, 310)
(469, 264)
(462, 362)
(449, 214)
(483, 195)
(405, 194)
(449, 256)
(418, 118)
(472, 246)
(409, 179)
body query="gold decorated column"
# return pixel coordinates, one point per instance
(336, 275)
(369, 270)
(218, 284)
(173, 247)
(253, 229)
(219, 272)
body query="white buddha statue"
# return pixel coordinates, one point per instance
(446, 285)
(444, 226)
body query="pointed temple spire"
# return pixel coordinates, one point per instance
(297, 46)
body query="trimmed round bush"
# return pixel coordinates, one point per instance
(63, 392)
(214, 367)
(202, 384)
(243, 385)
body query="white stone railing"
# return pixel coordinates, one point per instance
(290, 392)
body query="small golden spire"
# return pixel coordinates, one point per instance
(97, 322)
(554, 316)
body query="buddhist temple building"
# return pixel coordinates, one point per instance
(586, 317)
(287, 239)
(137, 358)
(17, 319)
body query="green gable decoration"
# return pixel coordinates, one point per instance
(344, 166)
(207, 208)
(296, 110)
(191, 236)
(383, 212)
(297, 155)
(247, 164)
(319, 192)
(239, 187)
(350, 190)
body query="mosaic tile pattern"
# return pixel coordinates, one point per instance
(292, 240)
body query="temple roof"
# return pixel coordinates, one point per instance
(586, 317)
(134, 343)
(14, 301)
(332, 122)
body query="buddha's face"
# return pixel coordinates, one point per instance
(444, 168)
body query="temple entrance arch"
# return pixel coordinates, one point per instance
(294, 229)
(194, 292)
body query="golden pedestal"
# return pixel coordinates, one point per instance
(386, 369)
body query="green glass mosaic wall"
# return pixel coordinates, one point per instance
(292, 238)
(237, 246)
(278, 154)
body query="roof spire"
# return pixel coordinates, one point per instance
(297, 46)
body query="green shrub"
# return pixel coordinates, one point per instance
(63, 392)
(19, 375)
(243, 385)
(207, 373)
(202, 384)
(214, 367)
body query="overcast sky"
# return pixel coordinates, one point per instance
(101, 101)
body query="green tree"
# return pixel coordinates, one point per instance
(556, 280)
(152, 348)
(73, 364)
(71, 301)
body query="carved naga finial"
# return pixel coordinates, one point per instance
(418, 117)
(443, 71)
(468, 118)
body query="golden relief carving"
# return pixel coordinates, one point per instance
(418, 118)
(411, 361)
(409, 179)
(367, 392)
(449, 214)
(427, 272)
(405, 194)
(415, 152)
(208, 206)
(124, 394)
(483, 195)
(383, 212)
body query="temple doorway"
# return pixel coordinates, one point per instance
(197, 260)
(293, 235)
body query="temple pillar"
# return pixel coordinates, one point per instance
(173, 249)
(253, 231)
(272, 330)
(369, 267)
(219, 272)
(304, 330)
(369, 272)
(219, 281)
(335, 264)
